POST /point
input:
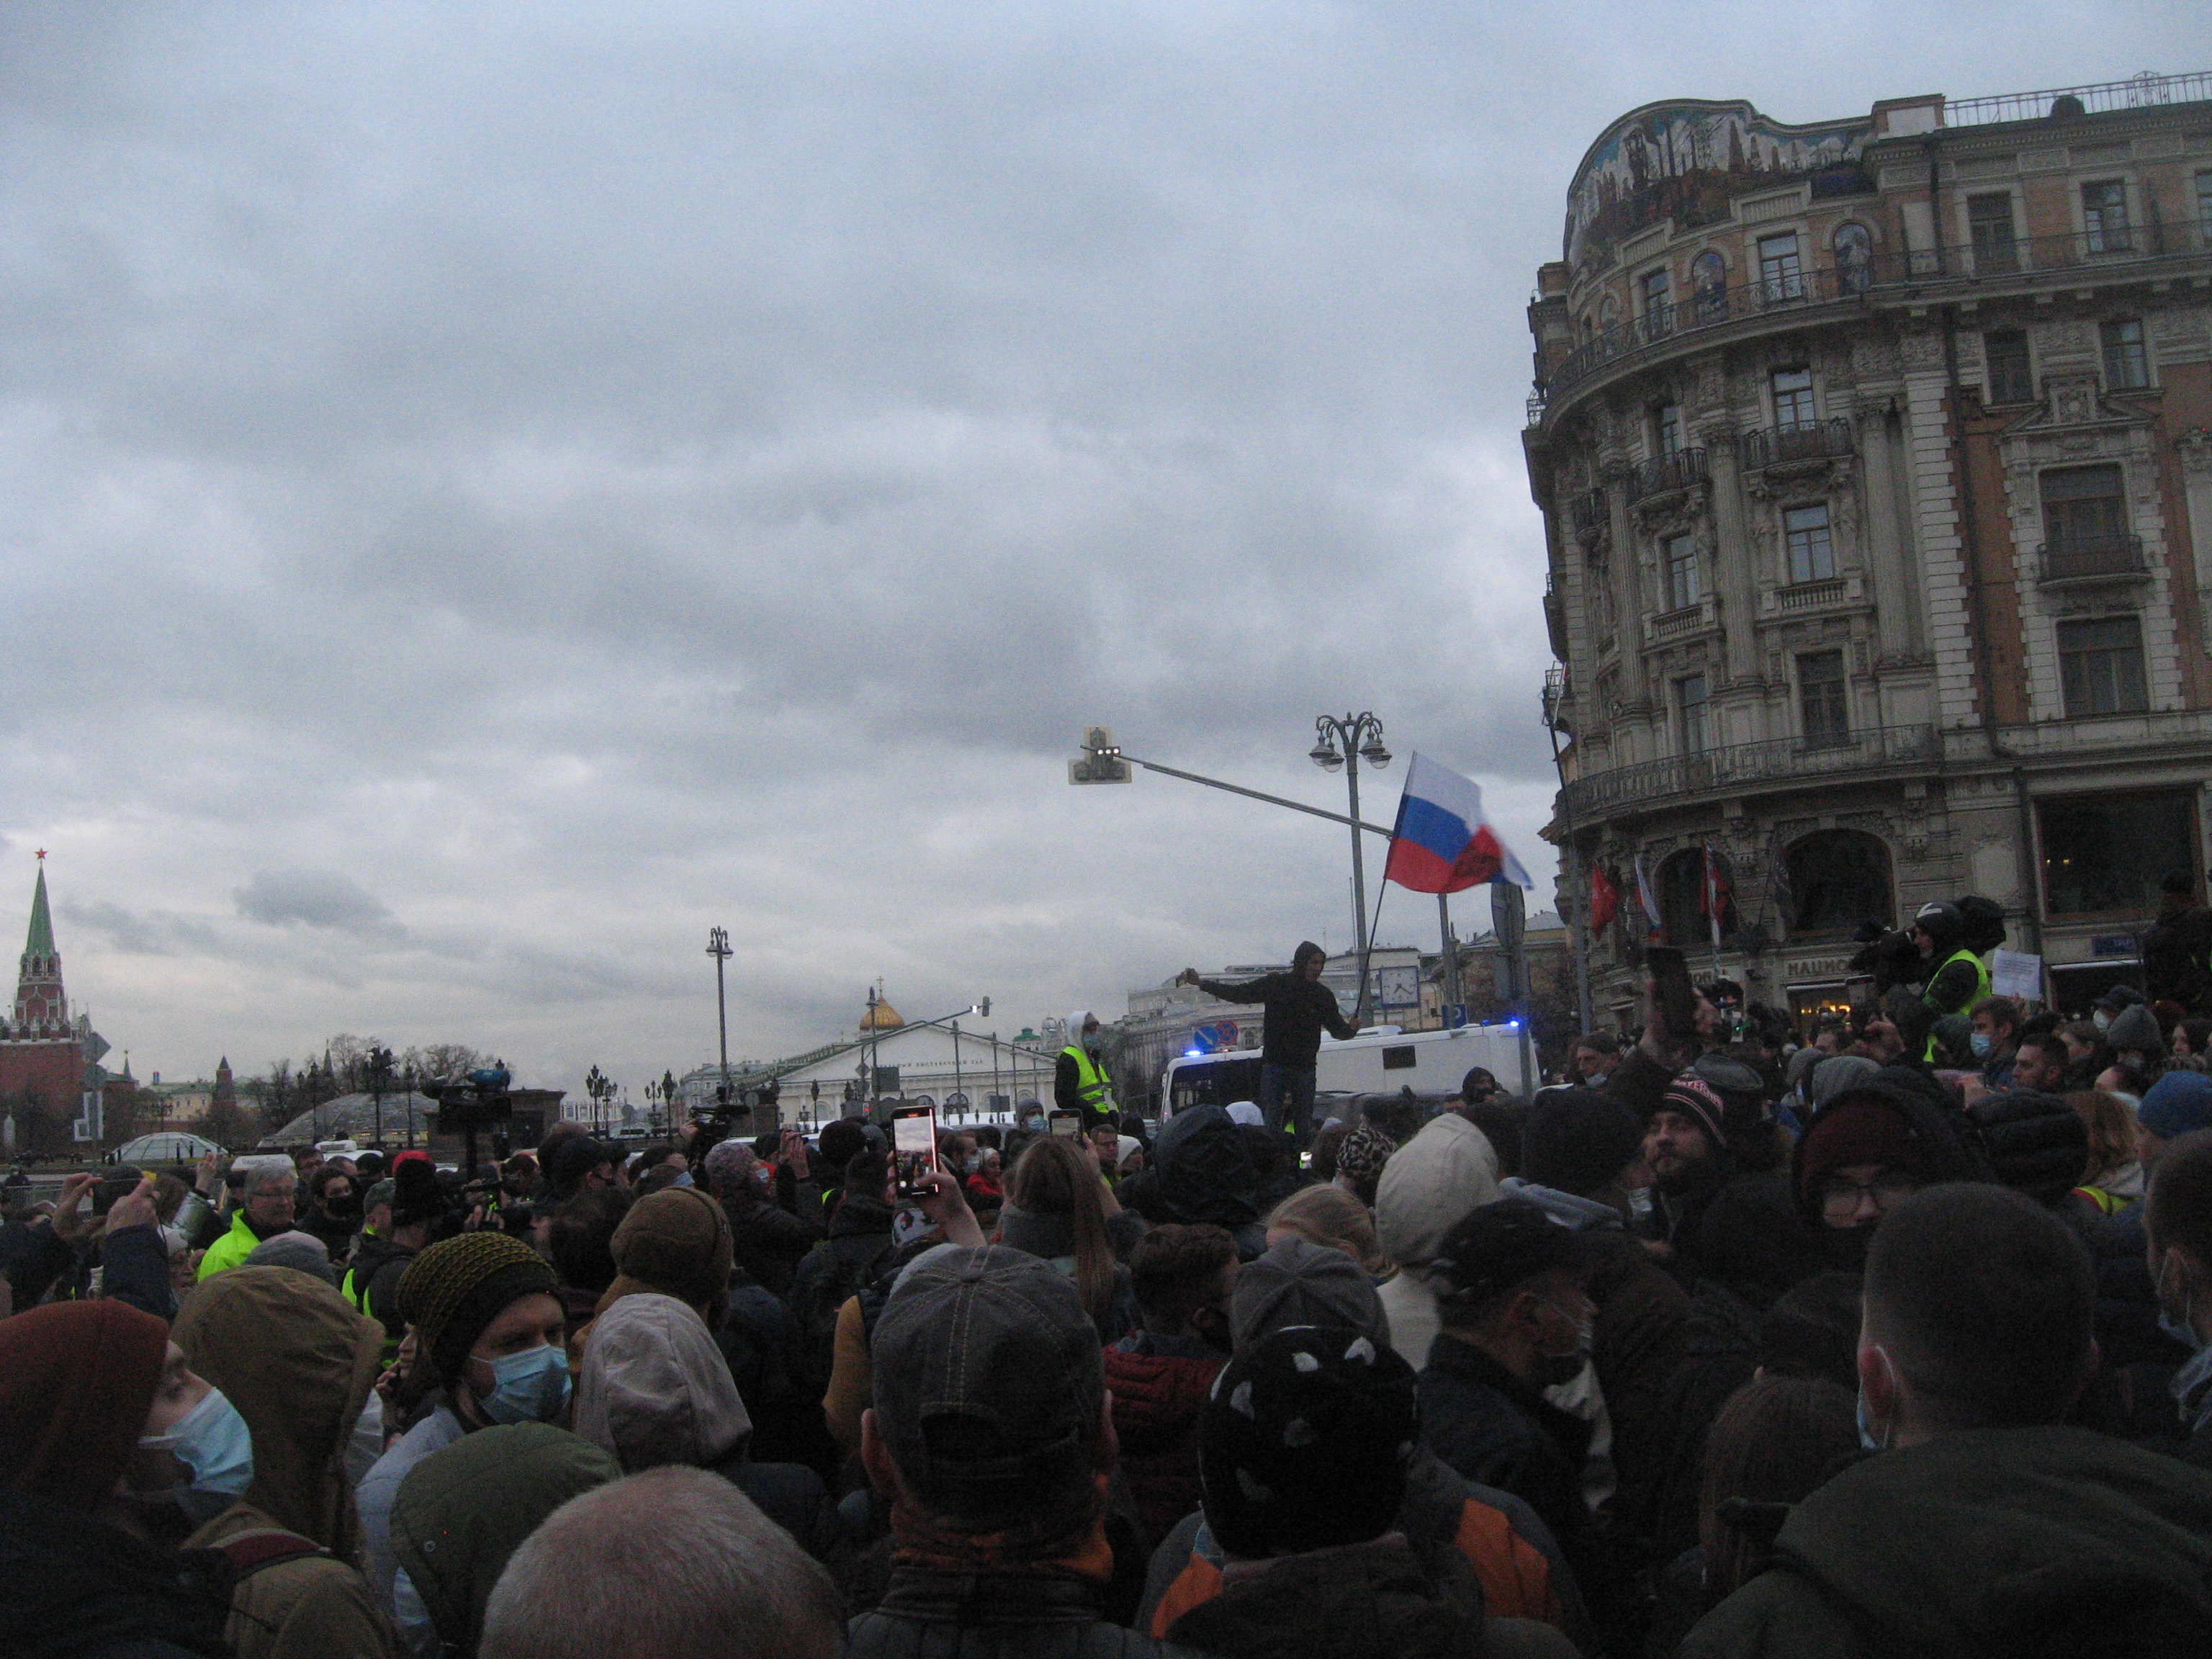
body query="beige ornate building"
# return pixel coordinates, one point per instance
(1875, 458)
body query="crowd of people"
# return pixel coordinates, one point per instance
(1893, 1336)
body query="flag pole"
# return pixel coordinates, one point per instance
(1450, 950)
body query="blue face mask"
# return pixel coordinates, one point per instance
(530, 1387)
(1981, 1043)
(213, 1442)
(683, 1180)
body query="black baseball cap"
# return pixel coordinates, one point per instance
(1498, 1249)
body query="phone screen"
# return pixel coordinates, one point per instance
(1677, 997)
(913, 1146)
(1069, 1124)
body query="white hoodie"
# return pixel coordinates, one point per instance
(1429, 1186)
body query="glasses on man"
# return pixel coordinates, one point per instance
(1841, 1196)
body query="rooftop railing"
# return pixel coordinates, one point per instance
(1742, 765)
(2148, 90)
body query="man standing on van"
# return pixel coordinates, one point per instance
(1299, 1008)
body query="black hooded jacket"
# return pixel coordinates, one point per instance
(1298, 1010)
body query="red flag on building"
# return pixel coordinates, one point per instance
(1604, 900)
(1718, 894)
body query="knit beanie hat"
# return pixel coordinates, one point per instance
(77, 1380)
(1575, 1140)
(1305, 1442)
(302, 1252)
(730, 1161)
(1364, 1153)
(2178, 1102)
(1697, 1100)
(677, 1242)
(457, 1287)
(1863, 1126)
(2134, 1028)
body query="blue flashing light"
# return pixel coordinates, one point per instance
(1515, 1023)
(1192, 1054)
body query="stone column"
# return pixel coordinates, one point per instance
(1735, 575)
(1889, 575)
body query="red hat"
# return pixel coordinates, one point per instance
(1858, 1128)
(77, 1380)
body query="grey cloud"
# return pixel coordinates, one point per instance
(320, 898)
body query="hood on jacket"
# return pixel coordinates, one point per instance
(1204, 1169)
(298, 1362)
(1567, 1209)
(466, 1508)
(656, 1389)
(1430, 1185)
(2012, 1540)
(1076, 1021)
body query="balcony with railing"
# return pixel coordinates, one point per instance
(1680, 470)
(2026, 261)
(1745, 767)
(1587, 512)
(1789, 445)
(2091, 558)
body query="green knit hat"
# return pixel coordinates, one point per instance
(462, 1511)
(455, 1288)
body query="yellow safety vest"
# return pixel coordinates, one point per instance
(1091, 1084)
(1981, 990)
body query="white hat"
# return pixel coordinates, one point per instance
(1246, 1111)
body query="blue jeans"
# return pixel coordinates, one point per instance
(1287, 1095)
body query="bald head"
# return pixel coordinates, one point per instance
(672, 1564)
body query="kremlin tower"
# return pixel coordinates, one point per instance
(50, 1076)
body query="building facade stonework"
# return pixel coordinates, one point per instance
(1876, 460)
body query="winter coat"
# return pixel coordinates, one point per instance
(1159, 1385)
(380, 1490)
(298, 1363)
(1493, 1428)
(2040, 1541)
(1430, 1185)
(1374, 1600)
(769, 1243)
(838, 1268)
(655, 1389)
(371, 1284)
(76, 1587)
(947, 1615)
(237, 1242)
(1510, 1550)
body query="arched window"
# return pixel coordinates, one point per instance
(1683, 909)
(1838, 879)
(1609, 315)
(1709, 286)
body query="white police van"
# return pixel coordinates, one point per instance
(1381, 1060)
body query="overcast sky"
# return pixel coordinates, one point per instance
(490, 492)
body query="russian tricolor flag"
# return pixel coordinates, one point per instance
(1442, 844)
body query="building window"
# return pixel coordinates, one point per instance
(1679, 556)
(1837, 878)
(2104, 852)
(2011, 378)
(2204, 205)
(1651, 290)
(2085, 513)
(2127, 362)
(1812, 554)
(2105, 218)
(1821, 696)
(1665, 428)
(1780, 273)
(2100, 667)
(1989, 225)
(1793, 397)
(1690, 692)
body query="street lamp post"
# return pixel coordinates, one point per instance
(718, 946)
(1343, 743)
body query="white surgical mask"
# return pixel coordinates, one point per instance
(213, 1442)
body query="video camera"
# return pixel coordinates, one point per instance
(475, 1102)
(734, 1104)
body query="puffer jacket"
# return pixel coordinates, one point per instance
(1374, 1600)
(1158, 1390)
